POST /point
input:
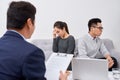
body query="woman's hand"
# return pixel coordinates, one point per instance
(54, 33)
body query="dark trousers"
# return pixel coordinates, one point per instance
(70, 67)
(115, 65)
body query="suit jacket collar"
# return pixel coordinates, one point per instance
(13, 33)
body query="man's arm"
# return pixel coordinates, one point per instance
(106, 54)
(110, 61)
(82, 49)
(34, 66)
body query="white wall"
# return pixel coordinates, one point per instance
(76, 13)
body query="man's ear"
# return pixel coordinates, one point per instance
(29, 27)
(29, 23)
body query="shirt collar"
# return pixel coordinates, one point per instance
(91, 37)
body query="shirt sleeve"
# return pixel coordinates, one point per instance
(34, 66)
(71, 45)
(82, 49)
(103, 49)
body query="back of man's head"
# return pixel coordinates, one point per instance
(18, 13)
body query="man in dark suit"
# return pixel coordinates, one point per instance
(20, 60)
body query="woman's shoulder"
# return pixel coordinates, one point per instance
(71, 37)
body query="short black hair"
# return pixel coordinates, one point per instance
(93, 21)
(18, 13)
(61, 25)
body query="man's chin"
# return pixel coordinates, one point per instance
(98, 35)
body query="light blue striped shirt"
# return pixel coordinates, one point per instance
(89, 47)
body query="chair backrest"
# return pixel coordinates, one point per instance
(45, 45)
(108, 44)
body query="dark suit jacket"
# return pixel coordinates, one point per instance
(20, 60)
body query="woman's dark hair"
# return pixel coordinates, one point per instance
(61, 25)
(93, 21)
(18, 13)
